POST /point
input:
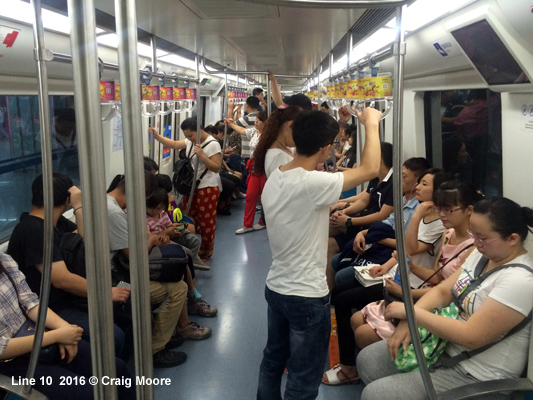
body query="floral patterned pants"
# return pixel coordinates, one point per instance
(204, 212)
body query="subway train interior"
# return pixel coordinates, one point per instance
(160, 62)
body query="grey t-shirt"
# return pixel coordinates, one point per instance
(117, 227)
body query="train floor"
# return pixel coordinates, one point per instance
(226, 365)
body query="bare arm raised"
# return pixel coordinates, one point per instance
(173, 144)
(371, 158)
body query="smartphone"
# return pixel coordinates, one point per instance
(180, 227)
(123, 284)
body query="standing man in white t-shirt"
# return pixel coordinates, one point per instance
(296, 201)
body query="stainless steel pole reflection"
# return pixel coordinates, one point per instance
(91, 145)
(126, 21)
(399, 50)
(41, 56)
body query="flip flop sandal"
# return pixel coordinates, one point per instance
(333, 379)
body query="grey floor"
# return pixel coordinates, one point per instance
(226, 366)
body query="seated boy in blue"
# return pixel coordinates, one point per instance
(296, 201)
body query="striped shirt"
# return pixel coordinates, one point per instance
(156, 226)
(248, 121)
(11, 316)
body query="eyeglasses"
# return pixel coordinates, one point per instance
(446, 211)
(480, 241)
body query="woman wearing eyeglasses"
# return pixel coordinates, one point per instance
(454, 202)
(496, 281)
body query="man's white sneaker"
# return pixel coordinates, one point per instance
(258, 227)
(243, 230)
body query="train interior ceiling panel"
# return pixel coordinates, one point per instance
(471, 52)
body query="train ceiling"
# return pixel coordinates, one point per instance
(244, 35)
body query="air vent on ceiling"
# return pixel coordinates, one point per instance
(211, 9)
(370, 21)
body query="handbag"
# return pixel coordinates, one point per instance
(433, 346)
(166, 263)
(48, 354)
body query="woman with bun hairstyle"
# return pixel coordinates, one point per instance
(500, 298)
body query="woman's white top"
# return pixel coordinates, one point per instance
(512, 287)
(275, 158)
(210, 179)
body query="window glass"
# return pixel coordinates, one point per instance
(465, 136)
(20, 151)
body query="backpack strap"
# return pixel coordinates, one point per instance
(205, 170)
(446, 263)
(452, 361)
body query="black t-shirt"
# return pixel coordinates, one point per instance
(26, 248)
(380, 194)
(349, 158)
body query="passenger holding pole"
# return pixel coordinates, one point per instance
(296, 284)
(205, 199)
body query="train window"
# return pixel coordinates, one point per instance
(20, 151)
(464, 136)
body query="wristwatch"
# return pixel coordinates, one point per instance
(349, 222)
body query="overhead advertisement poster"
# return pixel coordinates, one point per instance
(166, 150)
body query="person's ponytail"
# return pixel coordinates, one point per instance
(270, 133)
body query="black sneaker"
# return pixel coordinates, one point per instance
(224, 211)
(166, 358)
(175, 341)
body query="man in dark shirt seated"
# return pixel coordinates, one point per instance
(373, 205)
(26, 248)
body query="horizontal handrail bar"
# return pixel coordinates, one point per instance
(67, 59)
(333, 4)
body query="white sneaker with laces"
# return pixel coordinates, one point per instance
(258, 227)
(243, 230)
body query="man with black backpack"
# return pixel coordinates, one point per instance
(68, 291)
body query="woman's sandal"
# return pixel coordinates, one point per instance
(333, 378)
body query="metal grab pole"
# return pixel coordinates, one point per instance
(126, 22)
(269, 96)
(226, 110)
(90, 140)
(41, 56)
(398, 203)
(198, 136)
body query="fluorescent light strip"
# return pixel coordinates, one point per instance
(23, 12)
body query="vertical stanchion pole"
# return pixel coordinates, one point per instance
(41, 56)
(126, 21)
(90, 141)
(269, 96)
(198, 134)
(155, 119)
(226, 110)
(399, 54)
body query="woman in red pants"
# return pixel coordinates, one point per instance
(255, 182)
